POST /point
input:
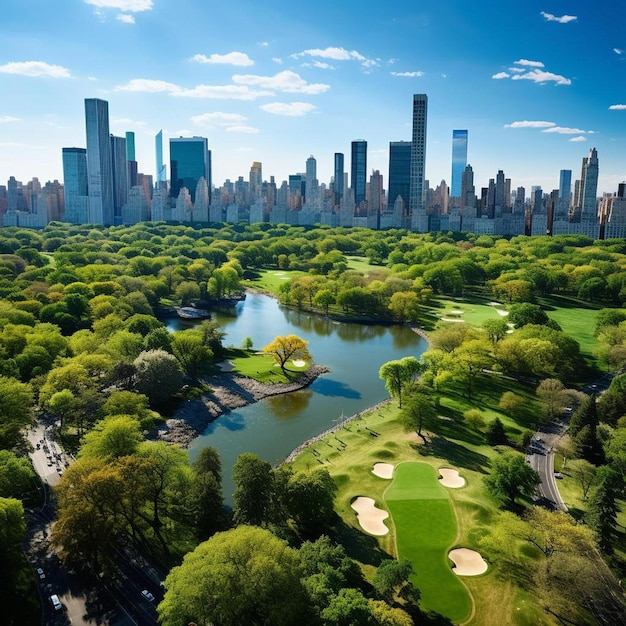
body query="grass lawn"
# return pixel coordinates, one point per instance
(425, 532)
(271, 280)
(361, 264)
(470, 310)
(263, 367)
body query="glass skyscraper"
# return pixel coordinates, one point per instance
(99, 162)
(399, 173)
(161, 174)
(358, 178)
(338, 177)
(189, 161)
(75, 185)
(120, 176)
(418, 163)
(459, 161)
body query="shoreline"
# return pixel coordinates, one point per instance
(230, 391)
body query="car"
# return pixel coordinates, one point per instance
(56, 603)
(40, 573)
(558, 475)
(147, 595)
(49, 463)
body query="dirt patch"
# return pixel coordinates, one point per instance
(467, 562)
(450, 478)
(229, 392)
(369, 516)
(383, 470)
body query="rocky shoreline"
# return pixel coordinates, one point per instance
(230, 391)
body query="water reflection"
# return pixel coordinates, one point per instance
(290, 405)
(335, 389)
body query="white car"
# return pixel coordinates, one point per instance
(147, 595)
(40, 573)
(56, 603)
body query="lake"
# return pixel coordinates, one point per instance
(273, 427)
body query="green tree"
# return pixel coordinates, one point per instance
(254, 490)
(524, 313)
(16, 411)
(495, 434)
(392, 580)
(474, 419)
(191, 352)
(250, 564)
(348, 608)
(114, 436)
(511, 404)
(584, 473)
(511, 477)
(158, 375)
(287, 347)
(496, 329)
(398, 374)
(310, 500)
(16, 475)
(602, 508)
(418, 413)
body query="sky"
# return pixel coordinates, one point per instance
(536, 84)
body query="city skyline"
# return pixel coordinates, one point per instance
(535, 86)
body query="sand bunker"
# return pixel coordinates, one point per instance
(370, 518)
(451, 319)
(299, 363)
(451, 478)
(502, 312)
(495, 304)
(456, 312)
(467, 562)
(383, 470)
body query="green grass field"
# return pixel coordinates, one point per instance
(263, 367)
(271, 280)
(425, 532)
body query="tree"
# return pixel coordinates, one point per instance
(210, 514)
(250, 564)
(288, 347)
(348, 608)
(398, 374)
(553, 394)
(191, 352)
(418, 413)
(16, 475)
(393, 579)
(115, 436)
(496, 329)
(310, 500)
(158, 375)
(12, 528)
(495, 434)
(16, 412)
(511, 404)
(253, 496)
(511, 477)
(524, 313)
(584, 473)
(585, 415)
(602, 508)
(474, 419)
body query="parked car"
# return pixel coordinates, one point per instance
(558, 475)
(40, 573)
(147, 595)
(56, 603)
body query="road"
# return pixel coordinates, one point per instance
(541, 458)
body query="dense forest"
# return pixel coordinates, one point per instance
(84, 350)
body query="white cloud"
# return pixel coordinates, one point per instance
(35, 69)
(126, 18)
(149, 86)
(578, 139)
(408, 74)
(337, 54)
(528, 63)
(501, 75)
(286, 81)
(263, 44)
(277, 60)
(564, 19)
(517, 70)
(250, 130)
(5, 119)
(618, 50)
(530, 124)
(222, 92)
(617, 107)
(218, 119)
(564, 130)
(322, 66)
(127, 6)
(291, 109)
(539, 76)
(240, 59)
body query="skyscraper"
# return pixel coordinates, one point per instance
(399, 173)
(358, 165)
(589, 184)
(338, 177)
(565, 184)
(256, 181)
(99, 163)
(419, 219)
(161, 173)
(75, 185)
(311, 178)
(120, 176)
(459, 161)
(130, 158)
(189, 161)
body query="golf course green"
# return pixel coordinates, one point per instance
(425, 532)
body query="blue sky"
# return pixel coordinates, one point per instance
(536, 84)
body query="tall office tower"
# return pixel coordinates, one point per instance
(120, 176)
(500, 195)
(468, 191)
(419, 219)
(459, 161)
(130, 158)
(99, 162)
(565, 184)
(161, 170)
(490, 201)
(310, 173)
(520, 201)
(256, 181)
(375, 200)
(338, 177)
(589, 185)
(399, 173)
(189, 162)
(358, 170)
(75, 185)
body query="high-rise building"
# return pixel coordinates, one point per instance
(99, 162)
(161, 170)
(589, 184)
(130, 158)
(189, 161)
(468, 191)
(419, 219)
(565, 184)
(358, 169)
(256, 181)
(459, 161)
(120, 176)
(310, 177)
(75, 185)
(399, 173)
(338, 177)
(500, 193)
